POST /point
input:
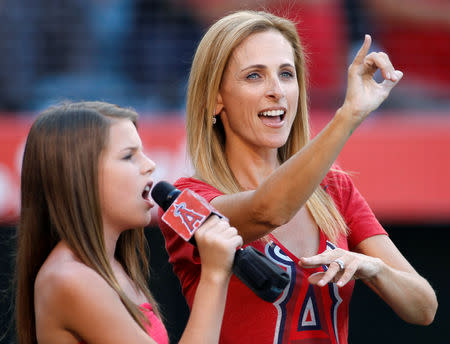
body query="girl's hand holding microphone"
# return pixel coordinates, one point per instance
(217, 242)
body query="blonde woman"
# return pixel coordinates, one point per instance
(248, 139)
(82, 269)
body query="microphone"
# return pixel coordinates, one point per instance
(185, 211)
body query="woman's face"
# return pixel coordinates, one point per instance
(125, 179)
(258, 96)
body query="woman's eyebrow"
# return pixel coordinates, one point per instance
(257, 66)
(261, 66)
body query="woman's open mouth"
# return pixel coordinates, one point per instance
(272, 117)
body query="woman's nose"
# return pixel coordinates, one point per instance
(274, 88)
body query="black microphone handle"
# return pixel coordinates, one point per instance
(265, 278)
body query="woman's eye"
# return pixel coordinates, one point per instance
(287, 74)
(253, 76)
(128, 157)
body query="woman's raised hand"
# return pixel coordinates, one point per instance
(364, 94)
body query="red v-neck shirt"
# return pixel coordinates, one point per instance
(303, 313)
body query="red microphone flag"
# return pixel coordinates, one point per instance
(187, 213)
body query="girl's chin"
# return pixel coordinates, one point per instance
(144, 223)
(147, 222)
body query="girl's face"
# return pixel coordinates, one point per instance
(259, 92)
(125, 179)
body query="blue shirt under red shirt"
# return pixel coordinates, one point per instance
(304, 313)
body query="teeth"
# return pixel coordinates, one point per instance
(272, 113)
(146, 192)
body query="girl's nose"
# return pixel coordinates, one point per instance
(148, 165)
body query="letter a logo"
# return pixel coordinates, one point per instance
(309, 315)
(190, 218)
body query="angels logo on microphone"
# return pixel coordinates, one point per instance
(182, 217)
(189, 217)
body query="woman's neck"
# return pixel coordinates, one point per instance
(250, 167)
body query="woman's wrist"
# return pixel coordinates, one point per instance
(347, 118)
(379, 271)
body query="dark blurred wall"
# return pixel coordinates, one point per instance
(372, 321)
(6, 268)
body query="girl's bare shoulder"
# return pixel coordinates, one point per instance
(64, 280)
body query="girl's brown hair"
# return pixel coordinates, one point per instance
(60, 201)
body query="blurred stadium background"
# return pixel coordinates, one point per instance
(137, 53)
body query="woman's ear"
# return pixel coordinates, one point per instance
(219, 104)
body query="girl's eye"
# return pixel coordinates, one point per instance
(128, 157)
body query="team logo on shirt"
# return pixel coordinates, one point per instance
(309, 319)
(316, 317)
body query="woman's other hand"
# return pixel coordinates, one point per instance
(343, 266)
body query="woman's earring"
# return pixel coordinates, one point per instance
(214, 120)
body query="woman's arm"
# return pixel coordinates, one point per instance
(379, 263)
(398, 284)
(287, 189)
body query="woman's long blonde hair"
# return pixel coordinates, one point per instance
(206, 142)
(60, 201)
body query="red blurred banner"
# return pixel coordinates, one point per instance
(400, 162)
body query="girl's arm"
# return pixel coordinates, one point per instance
(76, 301)
(217, 243)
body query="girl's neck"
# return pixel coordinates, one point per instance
(110, 245)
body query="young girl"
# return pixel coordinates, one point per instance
(82, 269)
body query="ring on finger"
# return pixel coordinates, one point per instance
(340, 263)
